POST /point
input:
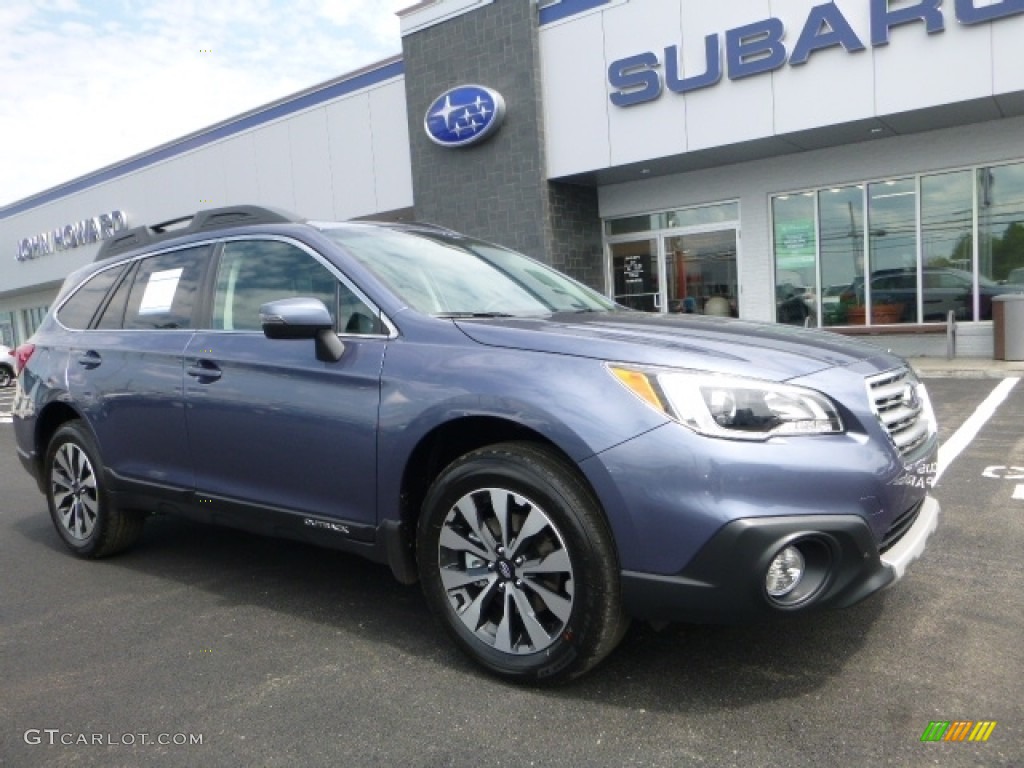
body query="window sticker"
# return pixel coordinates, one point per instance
(159, 295)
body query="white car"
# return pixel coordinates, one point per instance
(6, 366)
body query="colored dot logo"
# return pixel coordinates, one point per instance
(958, 730)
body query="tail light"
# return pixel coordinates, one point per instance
(21, 356)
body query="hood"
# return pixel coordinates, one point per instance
(715, 344)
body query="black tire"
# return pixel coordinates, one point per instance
(536, 599)
(6, 376)
(81, 509)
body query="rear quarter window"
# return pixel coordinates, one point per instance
(78, 311)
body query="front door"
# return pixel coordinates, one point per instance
(700, 270)
(636, 273)
(268, 423)
(689, 271)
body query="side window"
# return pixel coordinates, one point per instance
(253, 272)
(112, 315)
(77, 312)
(164, 290)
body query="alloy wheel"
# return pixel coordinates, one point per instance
(74, 489)
(506, 571)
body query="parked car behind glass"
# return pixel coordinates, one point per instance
(547, 464)
(944, 290)
(6, 366)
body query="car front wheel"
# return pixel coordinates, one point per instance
(517, 561)
(87, 521)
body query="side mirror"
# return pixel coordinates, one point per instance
(302, 318)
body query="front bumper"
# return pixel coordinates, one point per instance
(725, 582)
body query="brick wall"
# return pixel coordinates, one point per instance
(496, 190)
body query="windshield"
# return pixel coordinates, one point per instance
(446, 275)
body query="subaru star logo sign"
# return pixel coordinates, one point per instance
(464, 115)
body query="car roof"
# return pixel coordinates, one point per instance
(208, 220)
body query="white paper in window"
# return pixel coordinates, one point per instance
(159, 295)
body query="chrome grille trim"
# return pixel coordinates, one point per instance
(897, 403)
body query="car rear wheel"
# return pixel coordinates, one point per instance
(517, 562)
(81, 510)
(6, 376)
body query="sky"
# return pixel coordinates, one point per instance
(86, 83)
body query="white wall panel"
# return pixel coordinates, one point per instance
(653, 129)
(575, 95)
(1008, 55)
(351, 143)
(206, 167)
(731, 111)
(918, 70)
(132, 195)
(241, 183)
(834, 86)
(274, 166)
(915, 71)
(177, 189)
(392, 164)
(311, 168)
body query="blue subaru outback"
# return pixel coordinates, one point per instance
(547, 464)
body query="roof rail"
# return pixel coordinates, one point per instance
(206, 220)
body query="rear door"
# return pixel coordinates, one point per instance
(268, 424)
(126, 372)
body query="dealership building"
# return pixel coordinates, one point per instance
(857, 164)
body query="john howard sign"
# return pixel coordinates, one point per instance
(90, 230)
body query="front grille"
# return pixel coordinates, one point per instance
(901, 407)
(899, 527)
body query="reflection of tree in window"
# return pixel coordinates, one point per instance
(1000, 220)
(254, 272)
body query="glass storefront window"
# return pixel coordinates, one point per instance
(1000, 233)
(796, 239)
(947, 245)
(841, 254)
(7, 329)
(630, 225)
(892, 252)
(917, 239)
(700, 216)
(31, 318)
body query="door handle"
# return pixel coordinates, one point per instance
(203, 369)
(90, 359)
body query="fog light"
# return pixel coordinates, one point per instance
(785, 572)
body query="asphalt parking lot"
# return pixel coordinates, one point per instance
(271, 653)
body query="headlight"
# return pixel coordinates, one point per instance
(732, 406)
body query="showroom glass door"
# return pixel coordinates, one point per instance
(636, 274)
(700, 273)
(681, 260)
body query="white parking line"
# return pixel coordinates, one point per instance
(953, 447)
